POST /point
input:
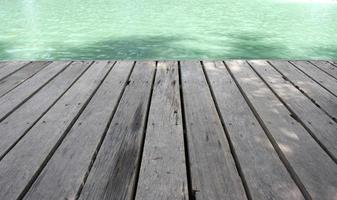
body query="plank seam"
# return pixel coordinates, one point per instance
(43, 113)
(302, 91)
(15, 71)
(295, 116)
(140, 156)
(93, 159)
(332, 63)
(272, 140)
(191, 192)
(32, 94)
(231, 146)
(60, 140)
(322, 69)
(312, 78)
(44, 66)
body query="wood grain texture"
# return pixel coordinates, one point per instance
(20, 76)
(115, 168)
(73, 130)
(249, 140)
(326, 66)
(326, 81)
(213, 171)
(19, 122)
(23, 92)
(28, 157)
(322, 127)
(65, 172)
(11, 67)
(311, 164)
(324, 99)
(163, 164)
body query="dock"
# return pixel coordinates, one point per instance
(168, 130)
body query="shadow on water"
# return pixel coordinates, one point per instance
(227, 46)
(136, 47)
(256, 46)
(177, 47)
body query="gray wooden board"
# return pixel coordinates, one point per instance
(312, 165)
(21, 93)
(11, 67)
(334, 63)
(249, 140)
(163, 169)
(213, 171)
(326, 100)
(326, 66)
(326, 81)
(16, 124)
(20, 76)
(66, 171)
(114, 170)
(4, 63)
(322, 127)
(25, 160)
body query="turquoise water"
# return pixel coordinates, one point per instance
(168, 29)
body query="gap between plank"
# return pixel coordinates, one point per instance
(231, 146)
(322, 69)
(303, 92)
(16, 70)
(78, 193)
(134, 189)
(191, 192)
(60, 140)
(312, 78)
(27, 98)
(43, 113)
(44, 66)
(279, 152)
(295, 116)
(333, 63)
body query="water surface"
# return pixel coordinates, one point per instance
(167, 29)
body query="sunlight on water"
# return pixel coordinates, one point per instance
(167, 29)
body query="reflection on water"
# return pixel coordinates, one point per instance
(167, 29)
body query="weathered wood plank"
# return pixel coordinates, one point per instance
(326, 66)
(16, 124)
(321, 126)
(27, 152)
(163, 169)
(326, 81)
(213, 171)
(334, 63)
(11, 67)
(66, 171)
(323, 98)
(14, 98)
(3, 63)
(249, 140)
(312, 165)
(20, 76)
(24, 162)
(114, 171)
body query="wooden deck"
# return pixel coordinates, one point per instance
(185, 130)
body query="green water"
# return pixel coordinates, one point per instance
(167, 29)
